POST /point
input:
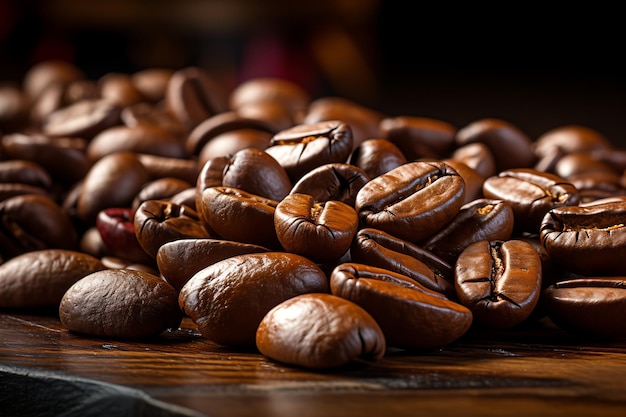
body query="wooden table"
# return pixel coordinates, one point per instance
(536, 370)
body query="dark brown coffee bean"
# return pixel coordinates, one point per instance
(152, 82)
(589, 306)
(21, 171)
(340, 182)
(239, 216)
(531, 194)
(113, 181)
(120, 303)
(159, 189)
(477, 156)
(64, 159)
(363, 121)
(569, 138)
(14, 108)
(499, 281)
(473, 180)
(376, 157)
(410, 315)
(481, 219)
(119, 89)
(319, 331)
(192, 95)
(229, 143)
(180, 259)
(228, 299)
(83, 119)
(163, 166)
(47, 72)
(146, 139)
(413, 201)
(33, 222)
(8, 190)
(321, 231)
(275, 115)
(511, 147)
(294, 98)
(158, 222)
(587, 240)
(40, 278)
(419, 137)
(304, 147)
(376, 248)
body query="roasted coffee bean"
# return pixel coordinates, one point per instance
(473, 180)
(219, 124)
(231, 142)
(146, 139)
(159, 221)
(275, 115)
(319, 331)
(47, 72)
(412, 201)
(114, 262)
(8, 190)
(569, 138)
(40, 278)
(237, 215)
(117, 232)
(83, 119)
(256, 172)
(152, 82)
(228, 299)
(159, 189)
(113, 181)
(597, 185)
(587, 240)
(410, 315)
(145, 113)
(321, 231)
(376, 248)
(32, 222)
(120, 303)
(340, 182)
(21, 171)
(376, 157)
(579, 163)
(14, 108)
(499, 281)
(119, 88)
(192, 95)
(186, 197)
(307, 146)
(291, 96)
(180, 259)
(64, 159)
(588, 306)
(163, 166)
(511, 147)
(481, 219)
(419, 137)
(531, 194)
(364, 121)
(477, 156)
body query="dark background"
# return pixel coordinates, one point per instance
(536, 67)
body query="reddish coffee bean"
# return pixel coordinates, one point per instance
(376, 157)
(419, 137)
(228, 299)
(180, 259)
(511, 147)
(120, 303)
(307, 146)
(146, 139)
(321, 231)
(117, 231)
(319, 331)
(410, 315)
(499, 282)
(340, 182)
(32, 222)
(413, 201)
(376, 248)
(481, 219)
(159, 221)
(40, 278)
(113, 181)
(239, 216)
(83, 119)
(587, 240)
(588, 306)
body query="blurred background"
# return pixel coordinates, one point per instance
(536, 68)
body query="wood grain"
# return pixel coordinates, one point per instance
(535, 369)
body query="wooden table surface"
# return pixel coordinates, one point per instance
(536, 370)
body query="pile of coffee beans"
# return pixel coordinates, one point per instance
(318, 230)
